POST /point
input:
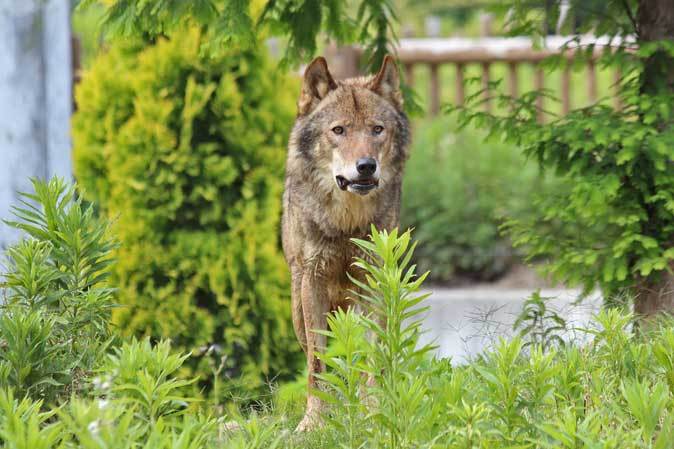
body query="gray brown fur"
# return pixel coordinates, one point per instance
(320, 217)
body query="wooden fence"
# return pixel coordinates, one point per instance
(483, 52)
(460, 53)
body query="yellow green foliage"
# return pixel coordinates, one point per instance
(186, 153)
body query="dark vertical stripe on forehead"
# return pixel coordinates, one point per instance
(355, 101)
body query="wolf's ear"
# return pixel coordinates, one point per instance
(387, 82)
(318, 82)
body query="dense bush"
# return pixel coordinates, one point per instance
(186, 152)
(458, 187)
(55, 311)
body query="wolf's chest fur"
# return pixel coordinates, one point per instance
(350, 213)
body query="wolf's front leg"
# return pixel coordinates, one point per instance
(365, 394)
(315, 307)
(363, 308)
(297, 313)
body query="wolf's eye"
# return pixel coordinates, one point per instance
(378, 129)
(338, 130)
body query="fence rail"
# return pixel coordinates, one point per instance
(485, 52)
(460, 53)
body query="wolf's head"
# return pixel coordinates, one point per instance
(351, 133)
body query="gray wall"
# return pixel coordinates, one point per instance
(35, 97)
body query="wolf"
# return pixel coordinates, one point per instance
(346, 156)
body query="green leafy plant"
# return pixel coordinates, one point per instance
(538, 324)
(345, 380)
(663, 351)
(30, 354)
(24, 425)
(54, 320)
(147, 377)
(238, 22)
(646, 404)
(186, 153)
(393, 396)
(89, 425)
(138, 398)
(398, 386)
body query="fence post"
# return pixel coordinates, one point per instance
(591, 80)
(485, 86)
(617, 76)
(460, 92)
(409, 75)
(432, 26)
(486, 24)
(434, 90)
(539, 84)
(513, 85)
(343, 61)
(566, 86)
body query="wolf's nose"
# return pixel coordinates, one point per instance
(366, 166)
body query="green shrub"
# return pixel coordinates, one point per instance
(120, 418)
(615, 392)
(56, 310)
(186, 152)
(147, 376)
(390, 360)
(458, 185)
(65, 380)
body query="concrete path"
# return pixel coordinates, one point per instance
(465, 322)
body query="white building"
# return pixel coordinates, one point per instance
(35, 97)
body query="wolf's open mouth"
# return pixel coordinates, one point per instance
(361, 186)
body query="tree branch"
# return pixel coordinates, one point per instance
(630, 14)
